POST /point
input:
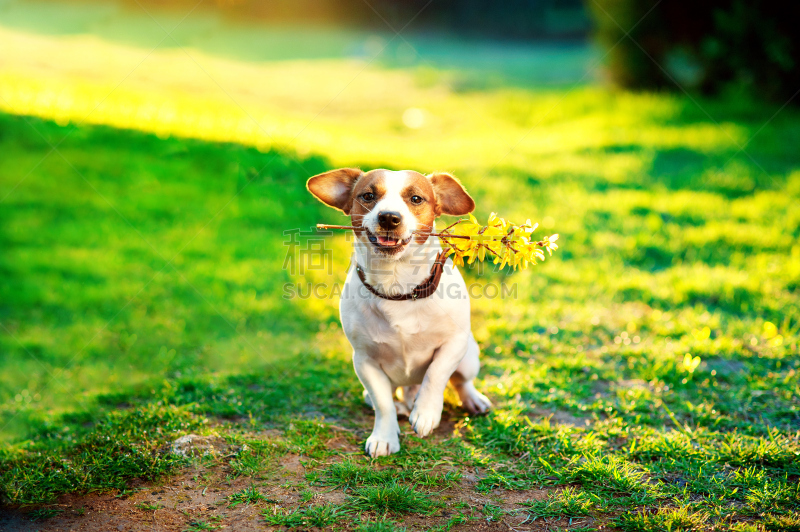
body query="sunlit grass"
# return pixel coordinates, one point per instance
(348, 109)
(651, 363)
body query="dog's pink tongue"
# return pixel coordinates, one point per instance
(387, 241)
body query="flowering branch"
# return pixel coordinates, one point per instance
(508, 243)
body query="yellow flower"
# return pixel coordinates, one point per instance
(509, 244)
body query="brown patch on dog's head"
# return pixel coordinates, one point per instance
(335, 188)
(421, 199)
(374, 183)
(451, 198)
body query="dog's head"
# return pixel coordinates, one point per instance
(391, 208)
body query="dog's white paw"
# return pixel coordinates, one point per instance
(475, 402)
(425, 420)
(408, 395)
(382, 445)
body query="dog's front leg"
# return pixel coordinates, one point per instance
(427, 411)
(384, 439)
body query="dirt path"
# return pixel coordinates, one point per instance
(197, 498)
(185, 504)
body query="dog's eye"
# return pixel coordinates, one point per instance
(416, 200)
(368, 196)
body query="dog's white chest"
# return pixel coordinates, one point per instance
(403, 337)
(400, 336)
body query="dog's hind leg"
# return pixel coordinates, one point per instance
(404, 402)
(405, 399)
(472, 400)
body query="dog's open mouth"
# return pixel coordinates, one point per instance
(387, 241)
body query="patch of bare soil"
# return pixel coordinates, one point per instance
(197, 495)
(197, 498)
(183, 499)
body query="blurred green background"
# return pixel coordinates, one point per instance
(153, 154)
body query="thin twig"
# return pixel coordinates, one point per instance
(326, 226)
(448, 235)
(442, 235)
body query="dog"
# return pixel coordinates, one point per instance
(405, 312)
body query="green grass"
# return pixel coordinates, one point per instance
(44, 513)
(250, 495)
(380, 525)
(200, 525)
(149, 506)
(348, 474)
(315, 516)
(391, 497)
(663, 521)
(142, 280)
(568, 502)
(121, 446)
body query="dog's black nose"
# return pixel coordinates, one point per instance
(389, 220)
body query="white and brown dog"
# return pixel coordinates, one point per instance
(405, 312)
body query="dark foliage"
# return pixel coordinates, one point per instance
(705, 45)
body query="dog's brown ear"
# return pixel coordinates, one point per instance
(335, 188)
(451, 198)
